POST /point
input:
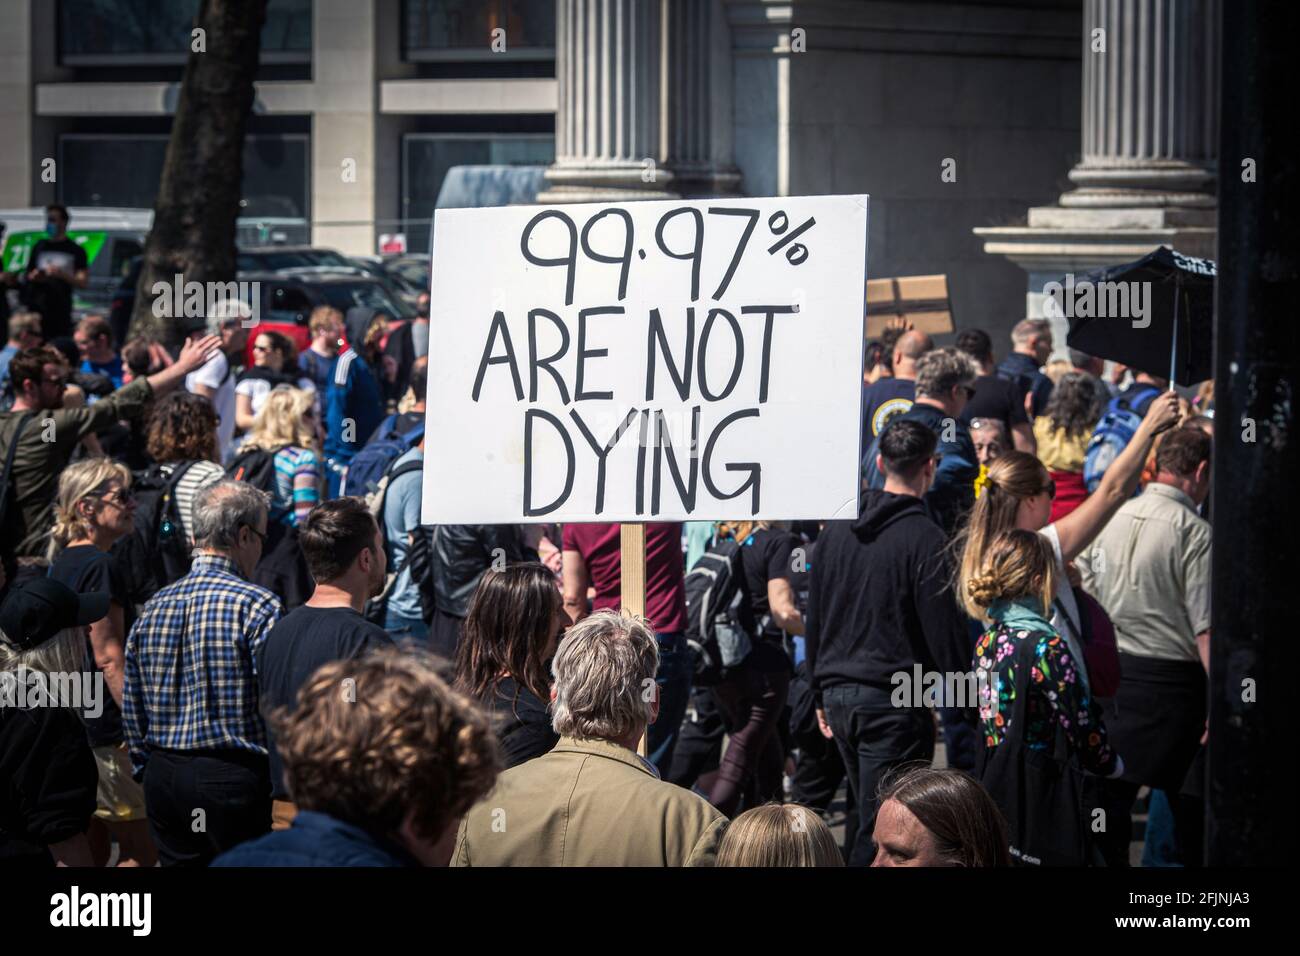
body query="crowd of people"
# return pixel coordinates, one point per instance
(296, 671)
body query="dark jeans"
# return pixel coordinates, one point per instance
(699, 746)
(874, 737)
(752, 702)
(674, 679)
(232, 788)
(444, 634)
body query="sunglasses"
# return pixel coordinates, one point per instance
(1050, 488)
(123, 499)
(969, 390)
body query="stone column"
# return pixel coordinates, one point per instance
(696, 91)
(1149, 145)
(607, 126)
(1150, 104)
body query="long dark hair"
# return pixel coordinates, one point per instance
(508, 628)
(967, 825)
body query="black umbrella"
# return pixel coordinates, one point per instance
(1155, 314)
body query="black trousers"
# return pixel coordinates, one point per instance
(874, 738)
(202, 803)
(699, 746)
(444, 634)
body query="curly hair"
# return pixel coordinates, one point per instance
(182, 427)
(373, 739)
(1076, 403)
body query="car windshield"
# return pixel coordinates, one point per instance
(372, 295)
(413, 271)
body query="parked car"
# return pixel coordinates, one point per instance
(276, 258)
(413, 268)
(381, 268)
(287, 300)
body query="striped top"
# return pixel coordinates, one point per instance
(196, 477)
(297, 484)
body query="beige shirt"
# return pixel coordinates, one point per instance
(588, 803)
(1150, 569)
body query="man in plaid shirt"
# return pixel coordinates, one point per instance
(189, 706)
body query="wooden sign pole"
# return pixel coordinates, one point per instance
(632, 580)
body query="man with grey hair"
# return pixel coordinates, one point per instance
(944, 384)
(1031, 344)
(189, 704)
(593, 800)
(215, 379)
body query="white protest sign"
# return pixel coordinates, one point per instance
(646, 361)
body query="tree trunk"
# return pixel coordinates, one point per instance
(194, 216)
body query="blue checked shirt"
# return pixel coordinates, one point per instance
(191, 673)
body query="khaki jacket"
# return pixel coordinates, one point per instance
(588, 803)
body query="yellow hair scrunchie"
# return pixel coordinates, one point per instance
(982, 482)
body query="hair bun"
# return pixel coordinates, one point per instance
(985, 589)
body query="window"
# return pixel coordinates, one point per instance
(288, 304)
(124, 250)
(104, 169)
(136, 32)
(463, 29)
(426, 158)
(370, 295)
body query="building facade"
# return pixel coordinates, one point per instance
(954, 116)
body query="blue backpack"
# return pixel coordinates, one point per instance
(367, 470)
(1112, 435)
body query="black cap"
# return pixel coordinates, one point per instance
(39, 608)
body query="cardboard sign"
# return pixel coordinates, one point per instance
(920, 301)
(646, 361)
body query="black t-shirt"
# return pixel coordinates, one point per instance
(767, 554)
(881, 401)
(86, 569)
(996, 398)
(52, 296)
(48, 781)
(300, 642)
(522, 722)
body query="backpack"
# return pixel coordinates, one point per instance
(156, 553)
(419, 558)
(718, 625)
(256, 466)
(377, 607)
(368, 473)
(1112, 435)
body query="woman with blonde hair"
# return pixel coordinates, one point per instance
(1018, 493)
(781, 835)
(285, 429)
(94, 508)
(1032, 692)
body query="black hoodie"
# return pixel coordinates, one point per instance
(880, 598)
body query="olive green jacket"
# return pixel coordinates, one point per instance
(44, 450)
(588, 803)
